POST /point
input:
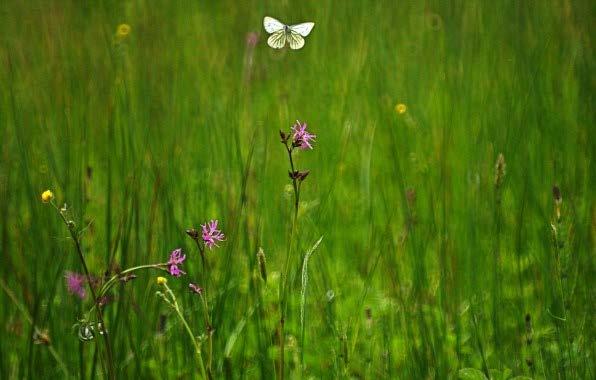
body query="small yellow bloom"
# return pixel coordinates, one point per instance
(47, 196)
(123, 30)
(401, 108)
(162, 280)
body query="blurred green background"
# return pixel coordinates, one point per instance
(427, 268)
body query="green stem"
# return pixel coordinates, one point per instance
(284, 280)
(209, 333)
(175, 306)
(208, 283)
(79, 249)
(104, 289)
(194, 340)
(479, 343)
(294, 182)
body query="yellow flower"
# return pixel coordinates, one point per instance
(123, 30)
(162, 280)
(401, 108)
(47, 196)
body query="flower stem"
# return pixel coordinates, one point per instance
(208, 281)
(174, 304)
(104, 289)
(284, 280)
(294, 182)
(79, 249)
(209, 333)
(194, 340)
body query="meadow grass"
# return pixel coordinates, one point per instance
(445, 251)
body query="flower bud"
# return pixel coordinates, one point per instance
(128, 277)
(557, 194)
(123, 30)
(195, 288)
(401, 108)
(47, 196)
(193, 233)
(302, 175)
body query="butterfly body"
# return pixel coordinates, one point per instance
(281, 33)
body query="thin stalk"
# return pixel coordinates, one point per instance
(104, 289)
(205, 263)
(194, 341)
(480, 348)
(79, 249)
(208, 280)
(209, 334)
(294, 182)
(202, 251)
(284, 280)
(174, 304)
(497, 279)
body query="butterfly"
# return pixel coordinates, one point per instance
(280, 33)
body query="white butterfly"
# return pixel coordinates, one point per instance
(280, 33)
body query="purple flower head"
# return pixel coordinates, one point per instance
(211, 235)
(195, 288)
(75, 283)
(176, 258)
(301, 137)
(252, 38)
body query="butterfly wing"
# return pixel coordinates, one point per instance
(302, 29)
(272, 25)
(277, 40)
(295, 40)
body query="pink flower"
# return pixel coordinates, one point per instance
(176, 258)
(211, 235)
(75, 283)
(301, 137)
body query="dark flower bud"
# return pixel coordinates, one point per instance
(193, 233)
(128, 277)
(195, 288)
(41, 337)
(557, 194)
(294, 175)
(302, 175)
(284, 137)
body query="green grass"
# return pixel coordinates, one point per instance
(426, 269)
